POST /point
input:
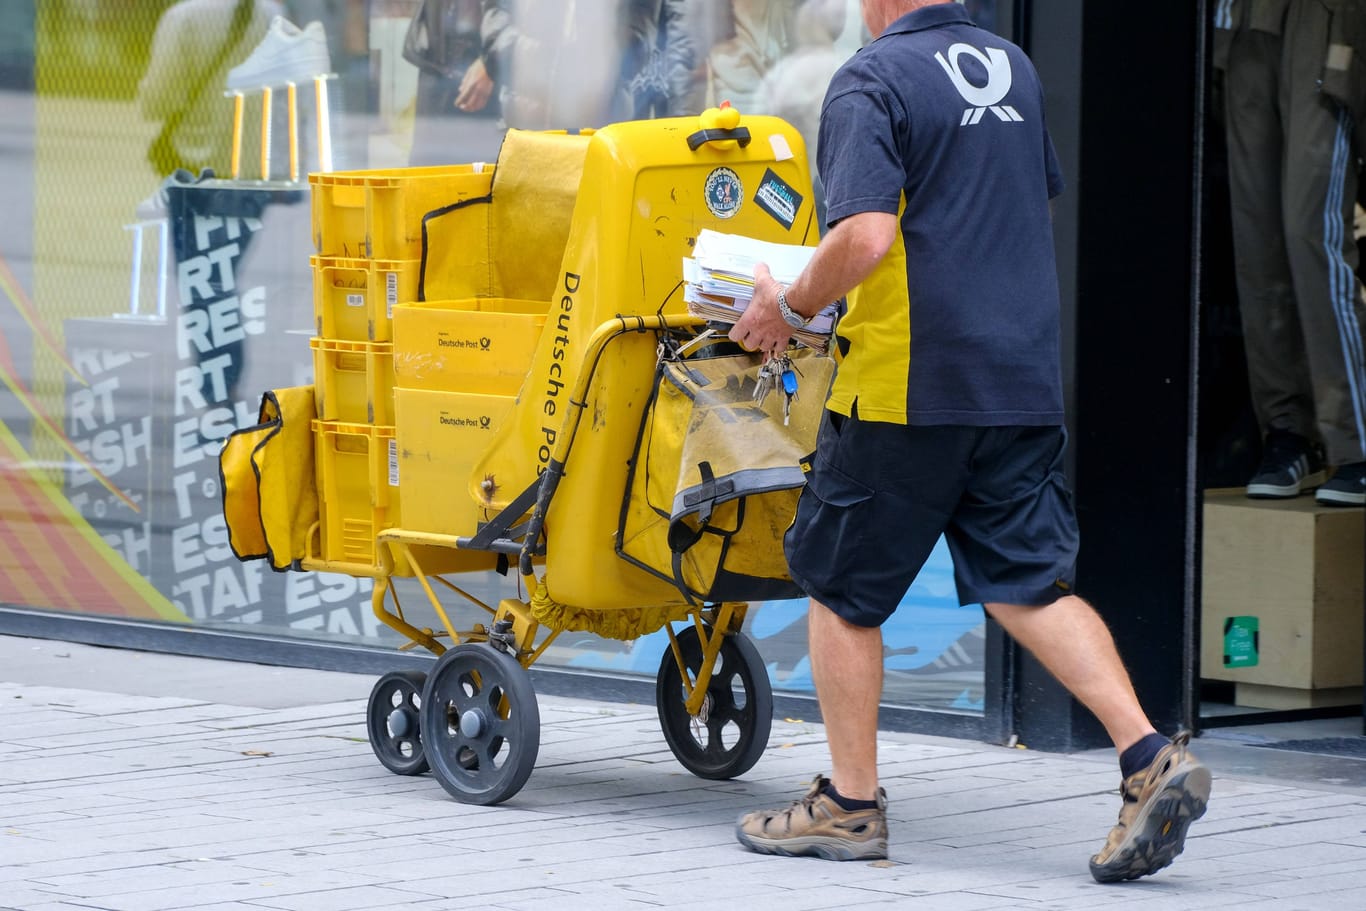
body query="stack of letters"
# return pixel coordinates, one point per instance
(719, 280)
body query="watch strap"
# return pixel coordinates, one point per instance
(790, 316)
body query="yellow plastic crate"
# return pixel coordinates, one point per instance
(355, 465)
(476, 345)
(354, 299)
(378, 213)
(353, 381)
(440, 435)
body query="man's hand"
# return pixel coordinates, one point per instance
(476, 87)
(761, 327)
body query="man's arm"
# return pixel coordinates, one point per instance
(498, 35)
(846, 256)
(476, 87)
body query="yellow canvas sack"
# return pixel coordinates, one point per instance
(266, 472)
(715, 478)
(507, 243)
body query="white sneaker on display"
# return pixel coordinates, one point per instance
(286, 54)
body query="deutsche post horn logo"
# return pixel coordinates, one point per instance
(984, 97)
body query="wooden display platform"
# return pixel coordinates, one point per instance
(1282, 599)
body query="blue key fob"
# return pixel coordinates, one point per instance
(790, 382)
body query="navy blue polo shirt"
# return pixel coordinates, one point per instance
(942, 123)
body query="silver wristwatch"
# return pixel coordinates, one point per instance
(790, 316)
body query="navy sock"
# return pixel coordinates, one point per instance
(1141, 755)
(848, 803)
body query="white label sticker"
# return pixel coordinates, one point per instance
(781, 150)
(393, 463)
(355, 300)
(390, 292)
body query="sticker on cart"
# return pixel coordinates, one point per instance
(390, 293)
(393, 463)
(778, 198)
(355, 300)
(723, 192)
(781, 150)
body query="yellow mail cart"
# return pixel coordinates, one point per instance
(507, 378)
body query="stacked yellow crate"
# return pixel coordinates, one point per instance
(367, 229)
(458, 366)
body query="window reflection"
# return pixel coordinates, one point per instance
(139, 320)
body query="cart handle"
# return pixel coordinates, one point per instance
(739, 135)
(578, 402)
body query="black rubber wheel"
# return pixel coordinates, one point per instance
(730, 733)
(481, 726)
(393, 721)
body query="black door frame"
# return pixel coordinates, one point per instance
(1126, 124)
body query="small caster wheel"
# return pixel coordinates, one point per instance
(393, 721)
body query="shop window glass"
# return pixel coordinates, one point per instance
(144, 313)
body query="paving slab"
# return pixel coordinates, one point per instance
(156, 786)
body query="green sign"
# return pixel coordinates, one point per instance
(1240, 642)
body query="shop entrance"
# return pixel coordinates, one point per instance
(1280, 601)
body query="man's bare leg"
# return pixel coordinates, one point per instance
(1071, 640)
(846, 663)
(1171, 790)
(846, 666)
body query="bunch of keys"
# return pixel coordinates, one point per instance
(777, 373)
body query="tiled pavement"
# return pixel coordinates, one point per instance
(139, 782)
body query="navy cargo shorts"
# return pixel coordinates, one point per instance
(879, 495)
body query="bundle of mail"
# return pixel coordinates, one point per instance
(719, 280)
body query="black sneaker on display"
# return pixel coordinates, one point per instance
(1347, 486)
(1290, 465)
(157, 205)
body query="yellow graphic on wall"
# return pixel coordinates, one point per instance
(51, 557)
